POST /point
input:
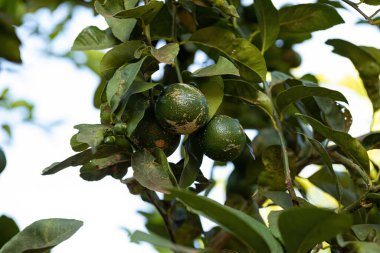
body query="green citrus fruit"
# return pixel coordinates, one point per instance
(223, 139)
(181, 109)
(149, 134)
(105, 114)
(120, 128)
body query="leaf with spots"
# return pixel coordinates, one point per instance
(166, 54)
(92, 135)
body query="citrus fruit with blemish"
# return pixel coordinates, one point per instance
(181, 109)
(149, 134)
(223, 139)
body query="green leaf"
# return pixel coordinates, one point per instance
(121, 28)
(269, 22)
(84, 157)
(10, 43)
(241, 50)
(118, 85)
(213, 89)
(145, 13)
(93, 38)
(248, 93)
(115, 165)
(139, 236)
(92, 135)
(364, 247)
(306, 18)
(248, 230)
(193, 161)
(291, 95)
(166, 54)
(350, 146)
(76, 145)
(3, 160)
(149, 173)
(372, 141)
(363, 231)
(222, 67)
(371, 2)
(367, 62)
(8, 229)
(42, 235)
(279, 198)
(304, 227)
(327, 161)
(118, 56)
(134, 111)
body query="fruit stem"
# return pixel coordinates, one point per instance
(174, 38)
(278, 127)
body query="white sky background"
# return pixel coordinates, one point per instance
(62, 92)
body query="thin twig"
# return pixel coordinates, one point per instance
(355, 6)
(175, 40)
(154, 200)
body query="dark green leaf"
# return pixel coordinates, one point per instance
(248, 93)
(121, 28)
(139, 236)
(225, 7)
(115, 165)
(222, 67)
(134, 111)
(372, 2)
(92, 135)
(146, 12)
(118, 56)
(279, 198)
(3, 160)
(119, 84)
(166, 54)
(366, 60)
(306, 18)
(269, 22)
(42, 235)
(213, 89)
(363, 231)
(84, 157)
(327, 161)
(149, 173)
(372, 141)
(93, 38)
(193, 161)
(291, 95)
(239, 49)
(10, 43)
(302, 228)
(351, 146)
(253, 233)
(8, 229)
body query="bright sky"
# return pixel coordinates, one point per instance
(62, 92)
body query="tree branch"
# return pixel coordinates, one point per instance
(355, 6)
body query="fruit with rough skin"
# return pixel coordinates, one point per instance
(181, 109)
(223, 139)
(149, 134)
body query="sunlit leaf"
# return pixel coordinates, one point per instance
(225, 7)
(93, 38)
(145, 12)
(121, 28)
(149, 173)
(239, 49)
(221, 67)
(91, 134)
(119, 84)
(77, 145)
(351, 146)
(117, 56)
(250, 231)
(269, 23)
(166, 54)
(306, 18)
(42, 235)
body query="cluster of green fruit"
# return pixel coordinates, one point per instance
(183, 109)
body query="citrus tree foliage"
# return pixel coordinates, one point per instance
(250, 82)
